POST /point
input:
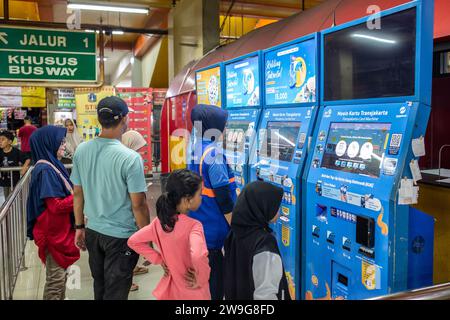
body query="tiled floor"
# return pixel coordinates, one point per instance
(30, 283)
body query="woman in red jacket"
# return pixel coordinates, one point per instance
(50, 209)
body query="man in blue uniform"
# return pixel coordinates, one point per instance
(218, 190)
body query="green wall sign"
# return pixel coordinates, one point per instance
(47, 55)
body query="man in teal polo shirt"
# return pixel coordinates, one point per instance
(109, 188)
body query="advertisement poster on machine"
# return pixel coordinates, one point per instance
(208, 87)
(290, 74)
(242, 84)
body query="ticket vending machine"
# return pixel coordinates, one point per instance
(376, 98)
(243, 102)
(287, 120)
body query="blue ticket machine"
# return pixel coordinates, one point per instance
(285, 129)
(243, 102)
(375, 100)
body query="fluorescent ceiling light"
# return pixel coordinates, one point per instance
(104, 58)
(116, 32)
(357, 35)
(107, 7)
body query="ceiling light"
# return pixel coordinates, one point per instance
(107, 7)
(357, 35)
(118, 32)
(104, 59)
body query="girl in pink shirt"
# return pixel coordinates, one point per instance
(180, 240)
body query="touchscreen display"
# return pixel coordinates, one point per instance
(362, 63)
(280, 140)
(236, 133)
(356, 147)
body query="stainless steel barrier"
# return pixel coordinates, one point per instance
(440, 157)
(13, 233)
(437, 292)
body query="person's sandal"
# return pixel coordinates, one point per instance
(134, 287)
(139, 270)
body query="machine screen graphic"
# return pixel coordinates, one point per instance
(360, 63)
(235, 134)
(356, 147)
(280, 140)
(242, 83)
(208, 87)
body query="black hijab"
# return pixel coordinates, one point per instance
(250, 234)
(256, 206)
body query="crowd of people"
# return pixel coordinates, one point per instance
(210, 243)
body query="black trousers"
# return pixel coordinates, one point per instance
(112, 263)
(216, 277)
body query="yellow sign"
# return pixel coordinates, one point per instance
(27, 97)
(37, 92)
(177, 149)
(285, 235)
(369, 275)
(208, 87)
(86, 100)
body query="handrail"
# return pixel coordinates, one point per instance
(437, 292)
(14, 194)
(13, 236)
(13, 232)
(440, 154)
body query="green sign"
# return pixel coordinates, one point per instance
(66, 98)
(47, 55)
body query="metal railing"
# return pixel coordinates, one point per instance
(440, 157)
(437, 292)
(13, 233)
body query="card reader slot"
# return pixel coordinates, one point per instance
(343, 280)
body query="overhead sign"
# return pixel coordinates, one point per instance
(47, 55)
(243, 83)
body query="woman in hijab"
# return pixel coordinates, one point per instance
(133, 140)
(253, 265)
(50, 209)
(73, 139)
(218, 190)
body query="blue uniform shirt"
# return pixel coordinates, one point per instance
(215, 173)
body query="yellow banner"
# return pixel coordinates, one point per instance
(27, 97)
(208, 87)
(86, 100)
(37, 92)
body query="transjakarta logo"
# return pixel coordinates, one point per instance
(327, 113)
(402, 110)
(267, 114)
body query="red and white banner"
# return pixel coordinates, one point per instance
(140, 101)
